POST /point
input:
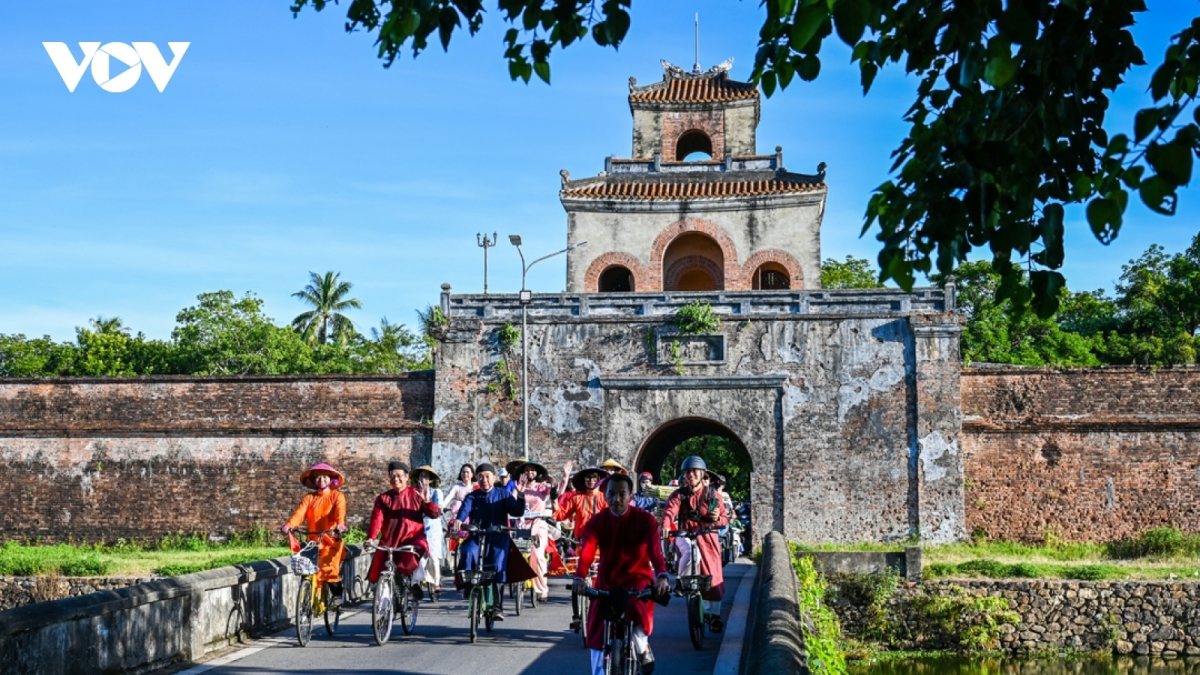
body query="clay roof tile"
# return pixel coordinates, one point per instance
(691, 190)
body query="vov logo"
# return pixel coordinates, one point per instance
(100, 58)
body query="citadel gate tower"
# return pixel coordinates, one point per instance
(845, 402)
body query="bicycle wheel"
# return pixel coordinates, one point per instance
(585, 604)
(408, 608)
(333, 615)
(517, 591)
(382, 610)
(576, 620)
(304, 613)
(533, 597)
(695, 609)
(474, 609)
(491, 600)
(613, 662)
(630, 659)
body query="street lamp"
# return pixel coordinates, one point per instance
(527, 297)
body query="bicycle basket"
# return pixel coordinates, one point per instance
(473, 577)
(304, 562)
(693, 584)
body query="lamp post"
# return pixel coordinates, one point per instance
(527, 297)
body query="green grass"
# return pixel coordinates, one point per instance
(175, 569)
(61, 560)
(1158, 553)
(171, 555)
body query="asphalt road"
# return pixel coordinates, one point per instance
(538, 641)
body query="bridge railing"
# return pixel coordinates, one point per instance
(146, 626)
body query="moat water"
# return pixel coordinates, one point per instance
(963, 665)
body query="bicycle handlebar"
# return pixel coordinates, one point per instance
(644, 594)
(333, 531)
(474, 529)
(389, 549)
(692, 535)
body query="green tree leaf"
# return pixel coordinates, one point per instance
(850, 19)
(1104, 217)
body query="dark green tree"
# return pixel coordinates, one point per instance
(1008, 125)
(225, 335)
(34, 357)
(853, 273)
(723, 456)
(995, 333)
(327, 297)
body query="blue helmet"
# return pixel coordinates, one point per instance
(693, 462)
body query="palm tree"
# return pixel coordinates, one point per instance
(327, 297)
(104, 325)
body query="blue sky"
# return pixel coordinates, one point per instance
(282, 145)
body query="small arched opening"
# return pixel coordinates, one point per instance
(693, 146)
(693, 262)
(616, 279)
(771, 276)
(666, 447)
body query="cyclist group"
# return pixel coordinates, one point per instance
(612, 520)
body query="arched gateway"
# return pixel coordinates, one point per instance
(658, 446)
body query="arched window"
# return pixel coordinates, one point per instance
(771, 276)
(693, 143)
(693, 262)
(616, 279)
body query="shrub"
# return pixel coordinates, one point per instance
(87, 566)
(952, 618)
(1023, 571)
(508, 335)
(822, 630)
(1090, 572)
(696, 318)
(986, 568)
(938, 570)
(1159, 541)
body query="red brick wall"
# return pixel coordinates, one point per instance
(141, 457)
(1092, 454)
(678, 123)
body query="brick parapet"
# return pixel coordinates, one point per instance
(337, 404)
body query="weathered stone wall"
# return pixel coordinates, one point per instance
(21, 591)
(1139, 617)
(106, 458)
(1088, 454)
(843, 400)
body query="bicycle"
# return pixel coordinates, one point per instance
(580, 604)
(391, 597)
(312, 597)
(524, 544)
(482, 591)
(620, 658)
(692, 584)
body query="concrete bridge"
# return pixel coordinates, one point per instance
(238, 620)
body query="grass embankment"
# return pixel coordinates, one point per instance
(170, 556)
(1159, 553)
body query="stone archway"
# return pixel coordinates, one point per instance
(666, 439)
(647, 417)
(663, 440)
